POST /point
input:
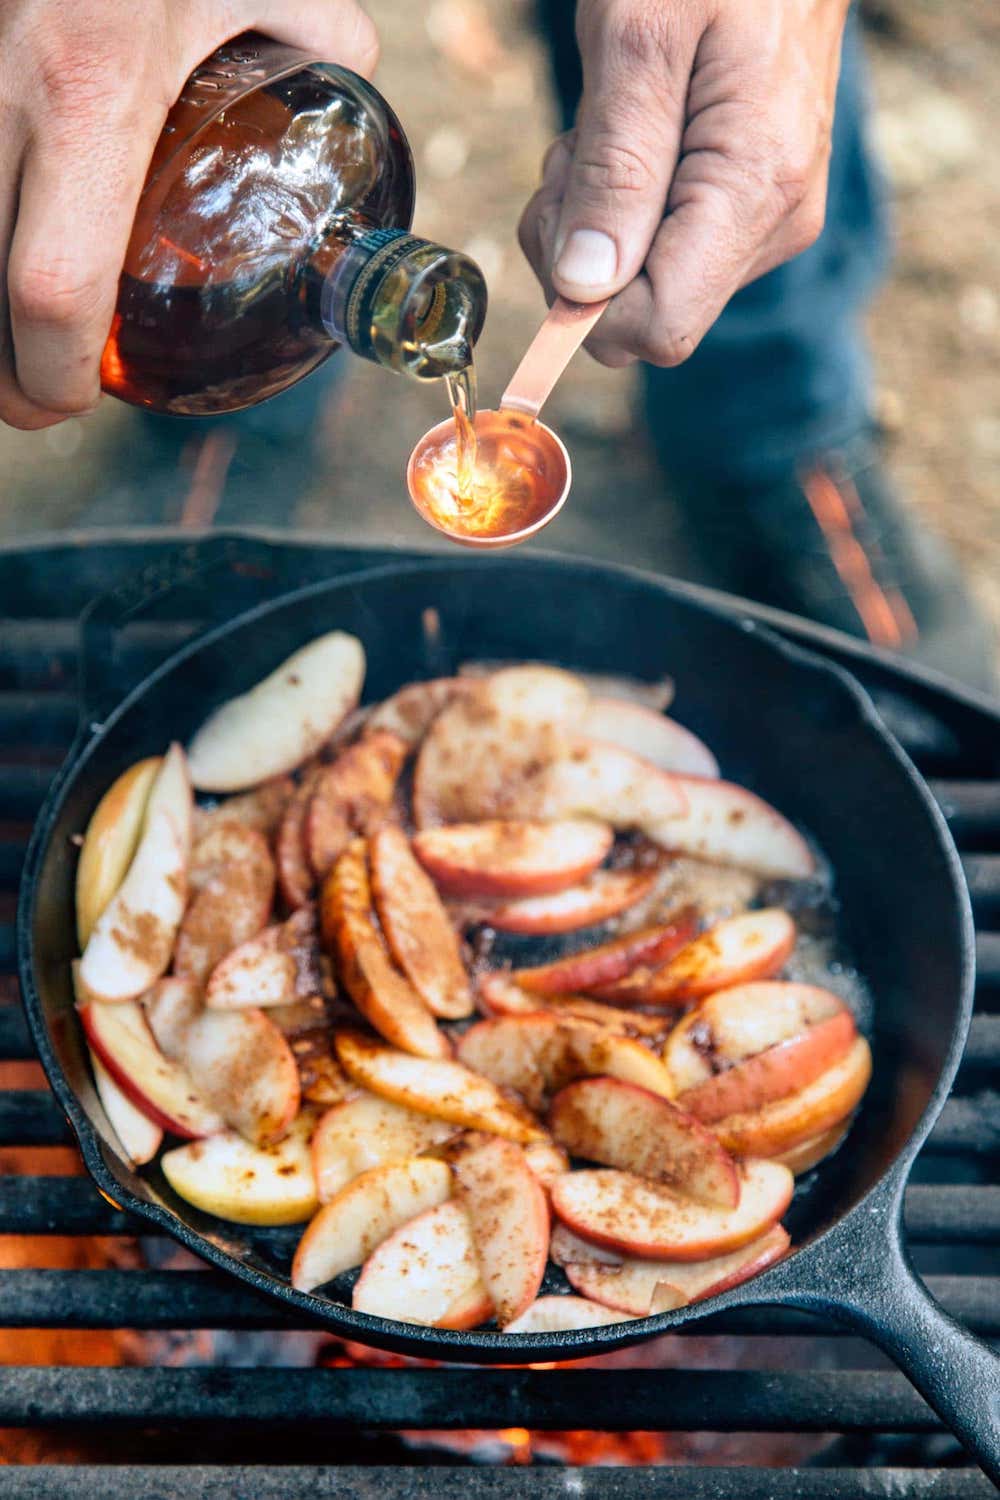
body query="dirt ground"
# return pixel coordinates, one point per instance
(469, 79)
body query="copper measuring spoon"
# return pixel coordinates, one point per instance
(516, 420)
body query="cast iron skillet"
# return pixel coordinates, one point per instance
(800, 732)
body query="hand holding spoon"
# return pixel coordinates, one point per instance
(521, 475)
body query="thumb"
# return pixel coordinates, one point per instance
(338, 31)
(628, 136)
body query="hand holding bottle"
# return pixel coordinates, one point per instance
(85, 86)
(699, 162)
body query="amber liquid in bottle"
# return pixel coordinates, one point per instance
(271, 229)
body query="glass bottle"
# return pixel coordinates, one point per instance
(272, 228)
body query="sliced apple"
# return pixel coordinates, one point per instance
(363, 1214)
(611, 961)
(808, 1154)
(262, 808)
(232, 880)
(435, 1087)
(427, 1273)
(240, 1061)
(161, 1088)
(110, 841)
(502, 997)
(277, 967)
(132, 941)
(620, 1125)
(563, 1314)
(774, 1073)
(140, 1137)
(736, 1024)
(829, 1099)
(170, 1006)
(646, 1287)
(657, 695)
(651, 1221)
(171, 794)
(411, 712)
(283, 720)
(295, 876)
(229, 1177)
(603, 781)
(506, 858)
(547, 1160)
(383, 996)
(509, 1216)
(366, 1132)
(352, 796)
(725, 823)
(603, 895)
(662, 741)
(416, 926)
(752, 945)
(538, 1055)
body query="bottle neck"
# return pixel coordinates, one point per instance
(399, 300)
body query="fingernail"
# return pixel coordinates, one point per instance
(588, 258)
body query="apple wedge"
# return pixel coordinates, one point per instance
(662, 741)
(232, 880)
(279, 966)
(132, 941)
(727, 824)
(808, 1154)
(170, 1006)
(603, 895)
(507, 858)
(777, 1127)
(283, 720)
(436, 1087)
(611, 961)
(295, 877)
(648, 1220)
(604, 781)
(563, 1314)
(508, 1213)
(352, 796)
(383, 996)
(502, 997)
(262, 808)
(736, 1024)
(646, 1287)
(228, 1177)
(538, 1055)
(547, 1160)
(171, 794)
(363, 1214)
(411, 712)
(366, 1132)
(620, 1125)
(242, 1064)
(416, 926)
(774, 1073)
(753, 945)
(110, 841)
(427, 1273)
(139, 1136)
(159, 1087)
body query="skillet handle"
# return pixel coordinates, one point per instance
(187, 571)
(869, 1285)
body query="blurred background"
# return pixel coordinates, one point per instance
(469, 78)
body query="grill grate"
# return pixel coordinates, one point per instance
(952, 1210)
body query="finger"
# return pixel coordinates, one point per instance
(15, 410)
(336, 31)
(794, 234)
(537, 229)
(628, 137)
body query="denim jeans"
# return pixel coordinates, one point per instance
(784, 374)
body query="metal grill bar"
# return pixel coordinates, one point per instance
(44, 718)
(971, 807)
(296, 1483)
(201, 1299)
(982, 871)
(988, 960)
(8, 948)
(15, 1039)
(22, 790)
(31, 1117)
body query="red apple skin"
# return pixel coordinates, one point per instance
(611, 961)
(703, 967)
(131, 1089)
(772, 1074)
(602, 896)
(509, 858)
(621, 1125)
(413, 918)
(500, 996)
(775, 1128)
(508, 1214)
(636, 1220)
(295, 876)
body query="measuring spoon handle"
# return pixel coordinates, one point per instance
(548, 354)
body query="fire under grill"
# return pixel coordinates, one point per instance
(204, 1394)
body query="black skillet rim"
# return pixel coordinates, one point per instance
(472, 1345)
